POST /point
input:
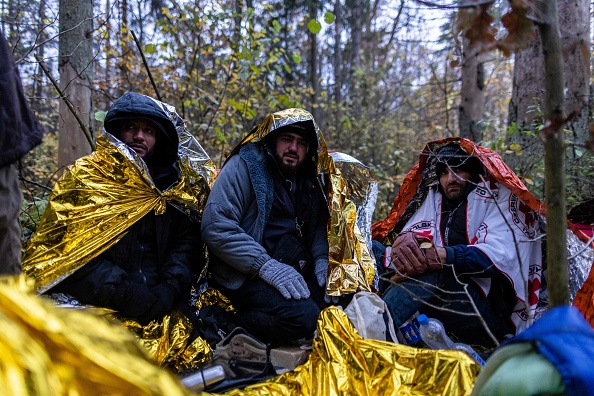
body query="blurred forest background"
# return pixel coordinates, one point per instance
(381, 77)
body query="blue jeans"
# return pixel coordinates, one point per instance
(270, 317)
(439, 294)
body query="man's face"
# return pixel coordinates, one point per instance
(291, 150)
(140, 135)
(453, 181)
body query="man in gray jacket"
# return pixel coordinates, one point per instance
(265, 226)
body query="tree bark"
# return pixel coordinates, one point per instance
(554, 159)
(337, 61)
(355, 41)
(41, 37)
(313, 63)
(525, 107)
(75, 67)
(472, 98)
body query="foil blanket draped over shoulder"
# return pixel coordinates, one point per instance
(49, 351)
(343, 363)
(351, 266)
(101, 196)
(90, 209)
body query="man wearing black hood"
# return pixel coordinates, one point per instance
(265, 226)
(151, 269)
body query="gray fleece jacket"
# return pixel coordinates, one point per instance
(236, 214)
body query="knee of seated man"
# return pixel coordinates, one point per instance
(303, 315)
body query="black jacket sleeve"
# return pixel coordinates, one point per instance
(102, 282)
(20, 130)
(183, 255)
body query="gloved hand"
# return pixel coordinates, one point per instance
(408, 257)
(436, 255)
(331, 299)
(321, 271)
(165, 297)
(285, 279)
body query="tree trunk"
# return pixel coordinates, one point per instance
(355, 41)
(41, 37)
(472, 101)
(313, 63)
(124, 61)
(75, 67)
(574, 23)
(337, 61)
(525, 108)
(553, 137)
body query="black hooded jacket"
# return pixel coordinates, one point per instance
(20, 130)
(152, 268)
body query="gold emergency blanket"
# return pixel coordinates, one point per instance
(351, 266)
(49, 351)
(100, 197)
(167, 342)
(92, 206)
(343, 363)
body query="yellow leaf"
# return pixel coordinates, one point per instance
(514, 146)
(529, 181)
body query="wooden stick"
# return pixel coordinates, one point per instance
(146, 65)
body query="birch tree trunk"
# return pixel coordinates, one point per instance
(75, 67)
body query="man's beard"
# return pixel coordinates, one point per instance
(287, 169)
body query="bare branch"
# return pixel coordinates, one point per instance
(68, 103)
(146, 66)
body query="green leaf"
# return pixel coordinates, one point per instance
(314, 26)
(187, 102)
(287, 68)
(236, 105)
(150, 49)
(100, 115)
(220, 135)
(296, 57)
(329, 17)
(276, 26)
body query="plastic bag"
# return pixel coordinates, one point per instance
(370, 316)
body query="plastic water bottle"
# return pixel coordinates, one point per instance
(433, 334)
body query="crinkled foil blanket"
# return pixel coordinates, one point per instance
(55, 351)
(50, 351)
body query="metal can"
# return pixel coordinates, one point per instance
(409, 331)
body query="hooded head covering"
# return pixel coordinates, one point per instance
(453, 156)
(305, 129)
(135, 106)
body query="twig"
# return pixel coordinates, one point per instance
(67, 101)
(146, 65)
(46, 188)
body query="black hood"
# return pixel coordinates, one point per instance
(132, 105)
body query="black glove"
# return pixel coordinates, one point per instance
(164, 296)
